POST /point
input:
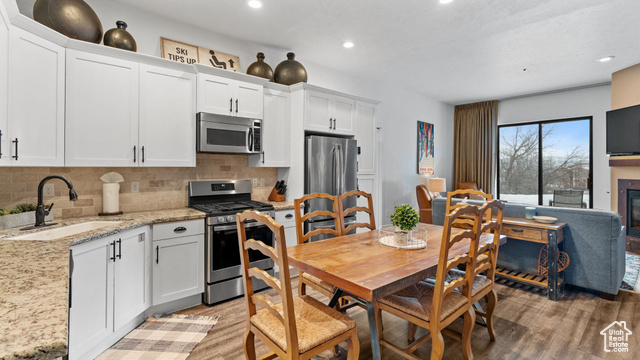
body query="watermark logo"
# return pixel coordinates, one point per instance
(616, 337)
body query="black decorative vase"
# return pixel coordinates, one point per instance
(120, 38)
(73, 18)
(260, 68)
(290, 71)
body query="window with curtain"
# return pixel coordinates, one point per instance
(538, 159)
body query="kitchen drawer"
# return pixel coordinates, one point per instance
(177, 229)
(287, 218)
(523, 233)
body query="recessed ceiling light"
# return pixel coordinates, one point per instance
(445, 1)
(606, 58)
(256, 4)
(348, 44)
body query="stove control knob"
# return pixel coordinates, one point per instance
(221, 219)
(230, 218)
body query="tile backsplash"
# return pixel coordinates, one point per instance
(160, 188)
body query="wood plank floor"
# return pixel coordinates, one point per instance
(528, 326)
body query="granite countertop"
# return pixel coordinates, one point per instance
(281, 205)
(34, 284)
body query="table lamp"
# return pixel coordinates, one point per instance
(437, 185)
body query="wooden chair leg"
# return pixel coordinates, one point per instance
(378, 312)
(469, 321)
(302, 288)
(492, 301)
(411, 334)
(336, 351)
(437, 344)
(353, 346)
(249, 345)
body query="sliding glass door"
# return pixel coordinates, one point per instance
(546, 163)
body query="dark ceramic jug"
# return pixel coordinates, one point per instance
(73, 18)
(260, 68)
(290, 71)
(120, 38)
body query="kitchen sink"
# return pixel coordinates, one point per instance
(65, 231)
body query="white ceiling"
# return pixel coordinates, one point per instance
(465, 51)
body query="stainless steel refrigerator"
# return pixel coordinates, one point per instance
(331, 166)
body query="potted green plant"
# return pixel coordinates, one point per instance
(405, 218)
(23, 214)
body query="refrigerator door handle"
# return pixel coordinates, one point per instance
(341, 171)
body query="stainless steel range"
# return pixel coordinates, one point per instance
(222, 200)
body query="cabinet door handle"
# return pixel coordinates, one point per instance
(288, 216)
(263, 157)
(119, 248)
(134, 153)
(0, 144)
(157, 254)
(113, 258)
(180, 229)
(236, 106)
(142, 154)
(517, 230)
(334, 123)
(16, 155)
(330, 122)
(231, 105)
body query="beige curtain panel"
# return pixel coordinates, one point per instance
(475, 128)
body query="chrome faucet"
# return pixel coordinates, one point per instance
(40, 212)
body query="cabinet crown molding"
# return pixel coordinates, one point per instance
(305, 86)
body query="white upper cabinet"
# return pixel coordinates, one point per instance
(249, 100)
(102, 110)
(343, 115)
(318, 112)
(122, 113)
(167, 117)
(35, 125)
(215, 94)
(366, 137)
(276, 131)
(4, 60)
(329, 113)
(224, 96)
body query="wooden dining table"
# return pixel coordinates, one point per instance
(360, 266)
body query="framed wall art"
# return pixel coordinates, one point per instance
(425, 148)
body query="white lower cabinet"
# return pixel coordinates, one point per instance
(110, 285)
(367, 183)
(287, 219)
(178, 263)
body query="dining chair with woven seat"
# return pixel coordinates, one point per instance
(435, 306)
(371, 225)
(297, 328)
(466, 194)
(305, 279)
(485, 260)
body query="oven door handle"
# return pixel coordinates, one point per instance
(230, 227)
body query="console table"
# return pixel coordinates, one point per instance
(544, 234)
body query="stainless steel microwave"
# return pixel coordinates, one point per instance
(228, 134)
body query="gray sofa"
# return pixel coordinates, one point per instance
(594, 240)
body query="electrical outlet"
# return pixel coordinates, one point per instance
(49, 189)
(261, 181)
(255, 181)
(135, 186)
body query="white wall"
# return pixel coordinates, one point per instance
(593, 101)
(397, 114)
